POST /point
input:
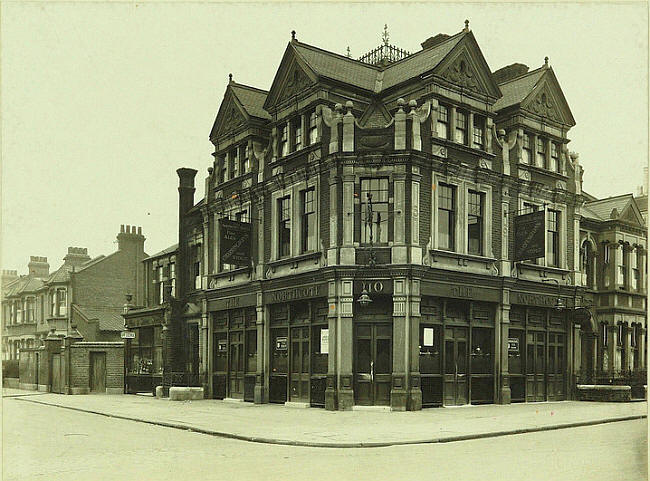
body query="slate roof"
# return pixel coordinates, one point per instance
(252, 99)
(419, 62)
(109, 319)
(62, 274)
(516, 90)
(23, 284)
(169, 250)
(601, 209)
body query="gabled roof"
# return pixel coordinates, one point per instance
(624, 204)
(109, 319)
(62, 274)
(336, 67)
(516, 90)
(252, 99)
(526, 91)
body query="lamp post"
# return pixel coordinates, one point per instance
(559, 302)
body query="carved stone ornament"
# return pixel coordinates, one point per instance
(524, 174)
(460, 73)
(233, 119)
(439, 150)
(485, 164)
(296, 83)
(269, 273)
(560, 184)
(543, 106)
(213, 283)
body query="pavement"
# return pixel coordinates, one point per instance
(313, 427)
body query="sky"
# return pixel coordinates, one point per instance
(103, 101)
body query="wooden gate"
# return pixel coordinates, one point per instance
(97, 372)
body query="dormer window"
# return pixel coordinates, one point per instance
(313, 128)
(442, 126)
(554, 157)
(540, 158)
(245, 161)
(526, 152)
(297, 134)
(234, 163)
(284, 144)
(477, 132)
(461, 127)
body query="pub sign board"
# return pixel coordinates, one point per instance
(529, 236)
(235, 242)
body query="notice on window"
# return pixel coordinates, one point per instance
(428, 337)
(324, 341)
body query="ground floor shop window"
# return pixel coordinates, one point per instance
(145, 351)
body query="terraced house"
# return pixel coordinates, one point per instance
(361, 240)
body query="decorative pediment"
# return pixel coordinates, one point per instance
(292, 78)
(375, 116)
(547, 100)
(230, 118)
(466, 67)
(632, 214)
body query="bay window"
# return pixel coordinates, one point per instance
(195, 266)
(61, 295)
(555, 154)
(378, 224)
(245, 161)
(234, 163)
(475, 222)
(19, 311)
(446, 216)
(159, 285)
(634, 265)
(297, 134)
(622, 269)
(284, 141)
(442, 126)
(284, 226)
(30, 305)
(308, 220)
(172, 276)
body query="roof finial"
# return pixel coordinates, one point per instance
(348, 54)
(230, 78)
(293, 34)
(385, 36)
(545, 62)
(466, 29)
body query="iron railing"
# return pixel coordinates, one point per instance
(384, 54)
(628, 377)
(181, 379)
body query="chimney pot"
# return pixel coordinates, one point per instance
(122, 228)
(139, 230)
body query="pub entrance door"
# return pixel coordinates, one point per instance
(236, 365)
(299, 375)
(455, 366)
(373, 348)
(535, 367)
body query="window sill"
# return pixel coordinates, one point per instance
(233, 181)
(315, 255)
(465, 148)
(543, 171)
(230, 275)
(459, 255)
(297, 153)
(543, 270)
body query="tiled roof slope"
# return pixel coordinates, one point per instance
(516, 90)
(252, 99)
(109, 318)
(603, 208)
(420, 62)
(23, 284)
(164, 252)
(338, 67)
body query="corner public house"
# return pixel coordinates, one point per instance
(358, 241)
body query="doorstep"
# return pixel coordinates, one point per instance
(232, 400)
(294, 404)
(371, 408)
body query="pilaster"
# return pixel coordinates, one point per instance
(344, 341)
(260, 394)
(413, 347)
(501, 334)
(348, 128)
(331, 391)
(399, 385)
(400, 126)
(204, 349)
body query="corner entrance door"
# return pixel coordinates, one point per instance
(535, 367)
(98, 372)
(373, 364)
(236, 371)
(299, 374)
(455, 366)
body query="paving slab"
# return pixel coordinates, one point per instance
(278, 424)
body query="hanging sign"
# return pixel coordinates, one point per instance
(222, 345)
(513, 344)
(529, 236)
(234, 242)
(324, 341)
(127, 335)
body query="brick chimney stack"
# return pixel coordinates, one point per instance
(185, 203)
(7, 277)
(130, 238)
(76, 256)
(38, 266)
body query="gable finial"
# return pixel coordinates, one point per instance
(229, 78)
(466, 29)
(348, 55)
(545, 62)
(385, 36)
(293, 35)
